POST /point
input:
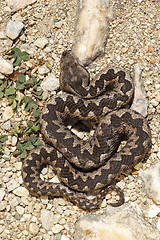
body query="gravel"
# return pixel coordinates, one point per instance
(133, 38)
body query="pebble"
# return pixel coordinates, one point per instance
(57, 228)
(47, 219)
(64, 237)
(11, 185)
(153, 211)
(33, 228)
(43, 70)
(124, 222)
(2, 35)
(2, 194)
(13, 29)
(41, 42)
(14, 140)
(50, 83)
(21, 191)
(8, 113)
(20, 210)
(157, 98)
(6, 67)
(17, 4)
(3, 205)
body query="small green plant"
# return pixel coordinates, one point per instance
(18, 56)
(11, 88)
(3, 138)
(27, 145)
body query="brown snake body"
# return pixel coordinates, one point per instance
(92, 165)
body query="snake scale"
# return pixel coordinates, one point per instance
(88, 166)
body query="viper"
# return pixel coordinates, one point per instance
(88, 166)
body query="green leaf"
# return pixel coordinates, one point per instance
(10, 91)
(34, 104)
(3, 138)
(16, 61)
(38, 143)
(5, 83)
(1, 94)
(35, 128)
(25, 56)
(20, 86)
(29, 83)
(34, 79)
(33, 138)
(21, 78)
(14, 104)
(27, 107)
(29, 124)
(20, 147)
(17, 152)
(15, 52)
(23, 154)
(28, 146)
(36, 113)
(27, 99)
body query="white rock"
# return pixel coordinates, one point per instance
(6, 67)
(64, 237)
(13, 29)
(151, 180)
(20, 210)
(140, 103)
(21, 192)
(33, 228)
(125, 222)
(12, 184)
(8, 113)
(50, 83)
(41, 42)
(47, 219)
(153, 211)
(3, 205)
(2, 35)
(57, 228)
(158, 224)
(19, 4)
(43, 70)
(91, 30)
(14, 140)
(2, 194)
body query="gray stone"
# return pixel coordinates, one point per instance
(151, 181)
(92, 27)
(50, 83)
(13, 29)
(125, 222)
(140, 103)
(6, 67)
(17, 4)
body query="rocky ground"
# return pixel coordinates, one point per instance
(46, 29)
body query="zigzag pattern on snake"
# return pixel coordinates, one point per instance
(92, 165)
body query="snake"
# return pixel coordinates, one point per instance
(87, 167)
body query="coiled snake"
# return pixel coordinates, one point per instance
(91, 165)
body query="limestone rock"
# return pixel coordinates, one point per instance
(6, 66)
(41, 42)
(140, 103)
(8, 113)
(50, 83)
(151, 180)
(13, 29)
(21, 191)
(91, 30)
(19, 4)
(125, 222)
